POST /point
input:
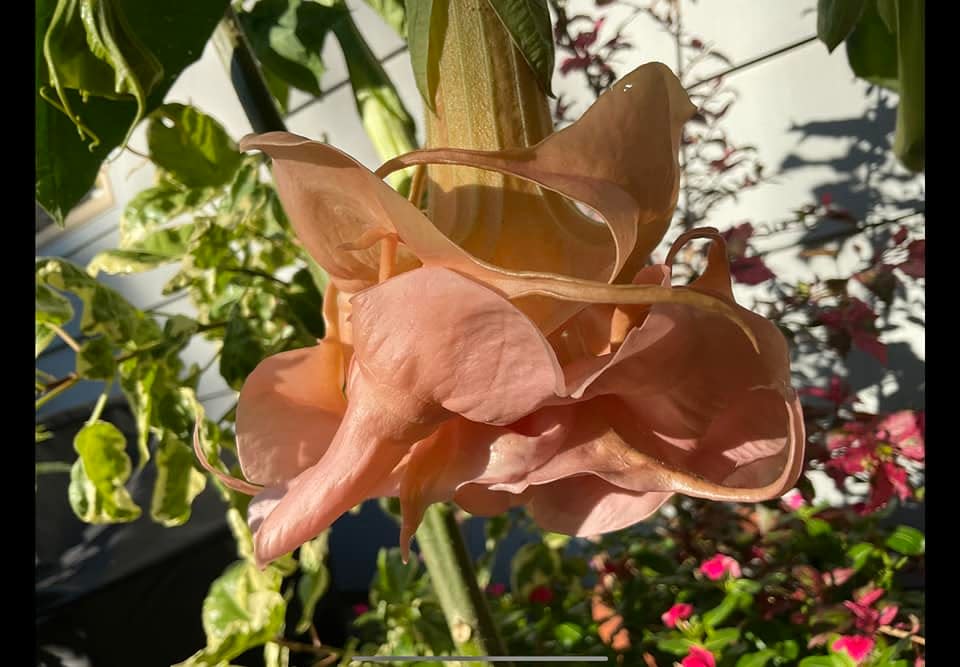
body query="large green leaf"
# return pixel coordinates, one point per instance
(191, 146)
(178, 482)
(836, 20)
(530, 28)
(288, 37)
(89, 47)
(158, 206)
(95, 360)
(174, 31)
(242, 610)
(314, 578)
(97, 493)
(872, 49)
(105, 311)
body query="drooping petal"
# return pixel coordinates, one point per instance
(369, 443)
(289, 409)
(620, 159)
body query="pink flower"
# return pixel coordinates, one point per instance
(541, 595)
(857, 647)
(746, 270)
(497, 365)
(360, 608)
(794, 500)
(496, 589)
(677, 612)
(904, 430)
(699, 657)
(719, 565)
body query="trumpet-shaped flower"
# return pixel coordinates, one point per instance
(533, 360)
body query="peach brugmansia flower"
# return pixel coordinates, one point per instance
(587, 389)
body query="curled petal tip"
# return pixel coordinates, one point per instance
(239, 485)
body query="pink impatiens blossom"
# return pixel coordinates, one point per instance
(496, 589)
(720, 565)
(794, 500)
(699, 657)
(541, 595)
(857, 647)
(677, 612)
(536, 362)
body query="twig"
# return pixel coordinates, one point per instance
(753, 61)
(64, 336)
(902, 634)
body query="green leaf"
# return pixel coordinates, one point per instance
(872, 49)
(426, 22)
(242, 349)
(860, 553)
(280, 90)
(386, 120)
(821, 661)
(530, 28)
(191, 146)
(719, 614)
(287, 37)
(275, 655)
(718, 639)
(97, 493)
(178, 482)
(817, 527)
(836, 19)
(676, 646)
(568, 634)
(155, 207)
(89, 47)
(153, 250)
(174, 31)
(51, 308)
(393, 12)
(105, 311)
(306, 302)
(314, 578)
(242, 610)
(394, 577)
(95, 360)
(909, 144)
(758, 659)
(907, 541)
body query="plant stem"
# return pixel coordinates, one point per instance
(56, 388)
(455, 583)
(241, 65)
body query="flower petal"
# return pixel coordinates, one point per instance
(587, 505)
(370, 442)
(435, 338)
(289, 409)
(620, 159)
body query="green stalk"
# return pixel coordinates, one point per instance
(455, 584)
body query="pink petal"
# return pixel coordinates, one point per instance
(370, 442)
(290, 407)
(432, 337)
(699, 657)
(632, 180)
(857, 647)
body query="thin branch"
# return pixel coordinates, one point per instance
(64, 336)
(753, 61)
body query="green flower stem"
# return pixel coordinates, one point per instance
(455, 584)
